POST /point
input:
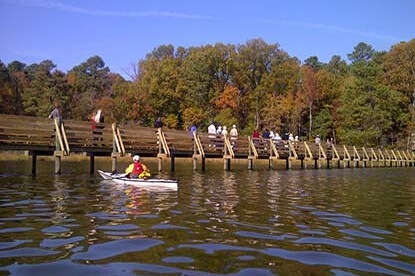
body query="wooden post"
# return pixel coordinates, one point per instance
(227, 164)
(172, 164)
(302, 163)
(114, 162)
(250, 163)
(34, 157)
(194, 162)
(203, 163)
(58, 155)
(250, 156)
(160, 163)
(288, 163)
(328, 163)
(91, 163)
(114, 153)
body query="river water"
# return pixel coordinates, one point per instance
(261, 222)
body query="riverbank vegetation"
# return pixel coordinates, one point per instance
(367, 100)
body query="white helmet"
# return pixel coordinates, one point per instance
(136, 158)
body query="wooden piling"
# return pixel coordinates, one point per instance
(226, 164)
(194, 162)
(34, 157)
(172, 164)
(91, 163)
(203, 163)
(160, 163)
(114, 162)
(288, 163)
(58, 156)
(250, 163)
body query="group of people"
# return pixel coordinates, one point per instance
(213, 131)
(269, 134)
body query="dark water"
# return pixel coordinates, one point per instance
(313, 222)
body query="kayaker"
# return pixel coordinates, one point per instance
(137, 169)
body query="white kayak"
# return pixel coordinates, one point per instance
(154, 182)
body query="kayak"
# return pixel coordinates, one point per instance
(154, 182)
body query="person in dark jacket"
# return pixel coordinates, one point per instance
(265, 134)
(158, 123)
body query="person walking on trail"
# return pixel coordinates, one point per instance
(224, 131)
(137, 169)
(158, 123)
(98, 116)
(93, 122)
(212, 131)
(318, 140)
(277, 138)
(219, 130)
(192, 131)
(56, 113)
(255, 134)
(234, 132)
(265, 134)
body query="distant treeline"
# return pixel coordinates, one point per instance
(366, 101)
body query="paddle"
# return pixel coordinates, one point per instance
(119, 176)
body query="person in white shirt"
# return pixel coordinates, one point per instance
(212, 131)
(219, 130)
(98, 116)
(291, 137)
(224, 131)
(234, 132)
(277, 138)
(296, 138)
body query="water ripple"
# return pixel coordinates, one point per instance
(114, 248)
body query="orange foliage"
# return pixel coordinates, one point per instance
(228, 98)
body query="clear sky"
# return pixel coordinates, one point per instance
(123, 31)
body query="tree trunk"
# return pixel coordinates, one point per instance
(311, 120)
(257, 114)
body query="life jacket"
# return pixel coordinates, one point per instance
(138, 168)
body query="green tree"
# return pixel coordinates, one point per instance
(362, 52)
(313, 62)
(90, 81)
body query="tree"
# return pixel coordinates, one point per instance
(310, 92)
(337, 66)
(362, 53)
(313, 62)
(253, 61)
(46, 86)
(90, 81)
(399, 73)
(370, 110)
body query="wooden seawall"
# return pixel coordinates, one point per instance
(42, 136)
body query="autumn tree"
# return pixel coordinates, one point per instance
(399, 73)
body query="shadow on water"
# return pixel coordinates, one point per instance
(301, 222)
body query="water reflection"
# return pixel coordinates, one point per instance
(218, 223)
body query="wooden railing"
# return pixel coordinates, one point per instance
(47, 136)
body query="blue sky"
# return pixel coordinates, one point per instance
(122, 32)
